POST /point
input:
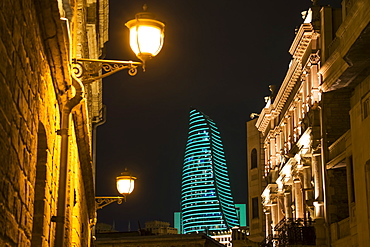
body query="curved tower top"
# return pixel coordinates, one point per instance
(206, 200)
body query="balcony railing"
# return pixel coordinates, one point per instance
(291, 232)
(269, 241)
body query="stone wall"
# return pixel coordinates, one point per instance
(27, 98)
(337, 194)
(336, 113)
(34, 86)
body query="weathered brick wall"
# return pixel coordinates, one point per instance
(31, 96)
(27, 96)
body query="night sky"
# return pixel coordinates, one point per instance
(219, 57)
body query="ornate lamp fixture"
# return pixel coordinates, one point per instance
(146, 35)
(146, 41)
(125, 185)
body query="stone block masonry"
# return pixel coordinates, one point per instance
(21, 71)
(34, 83)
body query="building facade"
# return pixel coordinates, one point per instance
(47, 117)
(157, 227)
(256, 183)
(309, 147)
(206, 200)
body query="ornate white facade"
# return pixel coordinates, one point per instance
(308, 151)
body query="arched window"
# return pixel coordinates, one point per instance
(254, 158)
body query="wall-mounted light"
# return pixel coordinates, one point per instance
(146, 35)
(125, 185)
(146, 41)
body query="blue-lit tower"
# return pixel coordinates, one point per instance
(206, 201)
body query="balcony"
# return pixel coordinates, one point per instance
(340, 230)
(291, 232)
(337, 152)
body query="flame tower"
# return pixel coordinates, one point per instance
(206, 200)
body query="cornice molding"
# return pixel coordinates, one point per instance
(302, 40)
(291, 78)
(299, 47)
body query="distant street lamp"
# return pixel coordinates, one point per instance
(146, 41)
(125, 185)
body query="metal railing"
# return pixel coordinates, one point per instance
(291, 232)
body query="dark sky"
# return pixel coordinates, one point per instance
(219, 57)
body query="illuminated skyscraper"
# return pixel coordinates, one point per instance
(206, 200)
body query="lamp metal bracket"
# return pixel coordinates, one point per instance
(102, 201)
(90, 70)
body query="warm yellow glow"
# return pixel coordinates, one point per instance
(125, 186)
(146, 37)
(307, 16)
(146, 40)
(125, 183)
(304, 141)
(279, 182)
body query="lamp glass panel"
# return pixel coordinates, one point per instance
(125, 186)
(146, 39)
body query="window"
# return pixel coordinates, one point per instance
(254, 207)
(254, 158)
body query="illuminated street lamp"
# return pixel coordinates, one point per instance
(125, 185)
(146, 41)
(146, 35)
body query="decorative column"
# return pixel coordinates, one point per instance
(268, 223)
(280, 207)
(320, 225)
(288, 205)
(267, 162)
(318, 190)
(274, 217)
(307, 186)
(298, 198)
(314, 59)
(273, 152)
(307, 190)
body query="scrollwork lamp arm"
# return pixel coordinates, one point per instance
(91, 69)
(102, 201)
